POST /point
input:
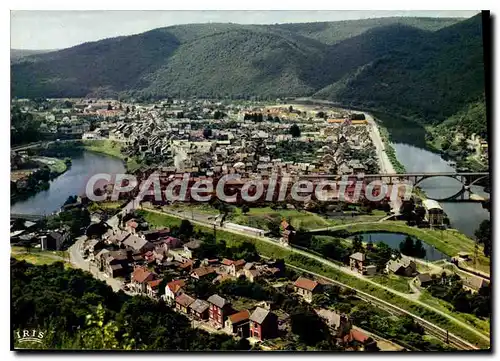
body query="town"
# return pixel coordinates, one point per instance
(235, 267)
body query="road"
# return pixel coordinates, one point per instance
(409, 297)
(78, 261)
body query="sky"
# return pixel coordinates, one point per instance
(40, 30)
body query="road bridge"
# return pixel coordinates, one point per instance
(464, 194)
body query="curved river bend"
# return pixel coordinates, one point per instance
(70, 183)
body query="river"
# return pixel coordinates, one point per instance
(465, 217)
(70, 183)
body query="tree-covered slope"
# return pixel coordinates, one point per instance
(429, 80)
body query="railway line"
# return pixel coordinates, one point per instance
(431, 329)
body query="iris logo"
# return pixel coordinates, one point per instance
(30, 335)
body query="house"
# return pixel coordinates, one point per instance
(92, 247)
(160, 252)
(423, 280)
(474, 283)
(112, 263)
(199, 309)
(118, 238)
(191, 247)
(252, 274)
(359, 340)
(263, 324)
(403, 267)
(287, 232)
(434, 214)
(153, 288)
(172, 290)
(202, 272)
(140, 278)
(154, 234)
(219, 309)
(357, 262)
(238, 324)
(53, 241)
(138, 244)
(306, 288)
(338, 324)
(232, 267)
(182, 303)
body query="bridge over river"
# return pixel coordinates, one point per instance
(464, 182)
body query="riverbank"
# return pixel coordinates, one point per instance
(113, 149)
(38, 180)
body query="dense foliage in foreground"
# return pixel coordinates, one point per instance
(80, 312)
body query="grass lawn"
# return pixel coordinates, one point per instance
(39, 257)
(110, 204)
(399, 283)
(111, 148)
(275, 251)
(55, 165)
(259, 218)
(448, 241)
(198, 208)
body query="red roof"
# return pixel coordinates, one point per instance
(141, 274)
(186, 264)
(305, 283)
(227, 262)
(240, 262)
(176, 285)
(240, 316)
(203, 271)
(356, 335)
(154, 284)
(132, 223)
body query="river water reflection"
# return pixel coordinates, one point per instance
(71, 183)
(465, 217)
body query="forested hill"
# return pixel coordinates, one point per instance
(422, 67)
(430, 80)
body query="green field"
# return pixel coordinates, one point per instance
(39, 257)
(111, 148)
(399, 283)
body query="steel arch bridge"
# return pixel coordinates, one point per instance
(467, 180)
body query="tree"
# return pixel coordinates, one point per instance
(186, 228)
(357, 244)
(274, 228)
(295, 131)
(407, 208)
(218, 114)
(110, 107)
(207, 133)
(407, 246)
(382, 255)
(483, 236)
(290, 109)
(419, 250)
(245, 209)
